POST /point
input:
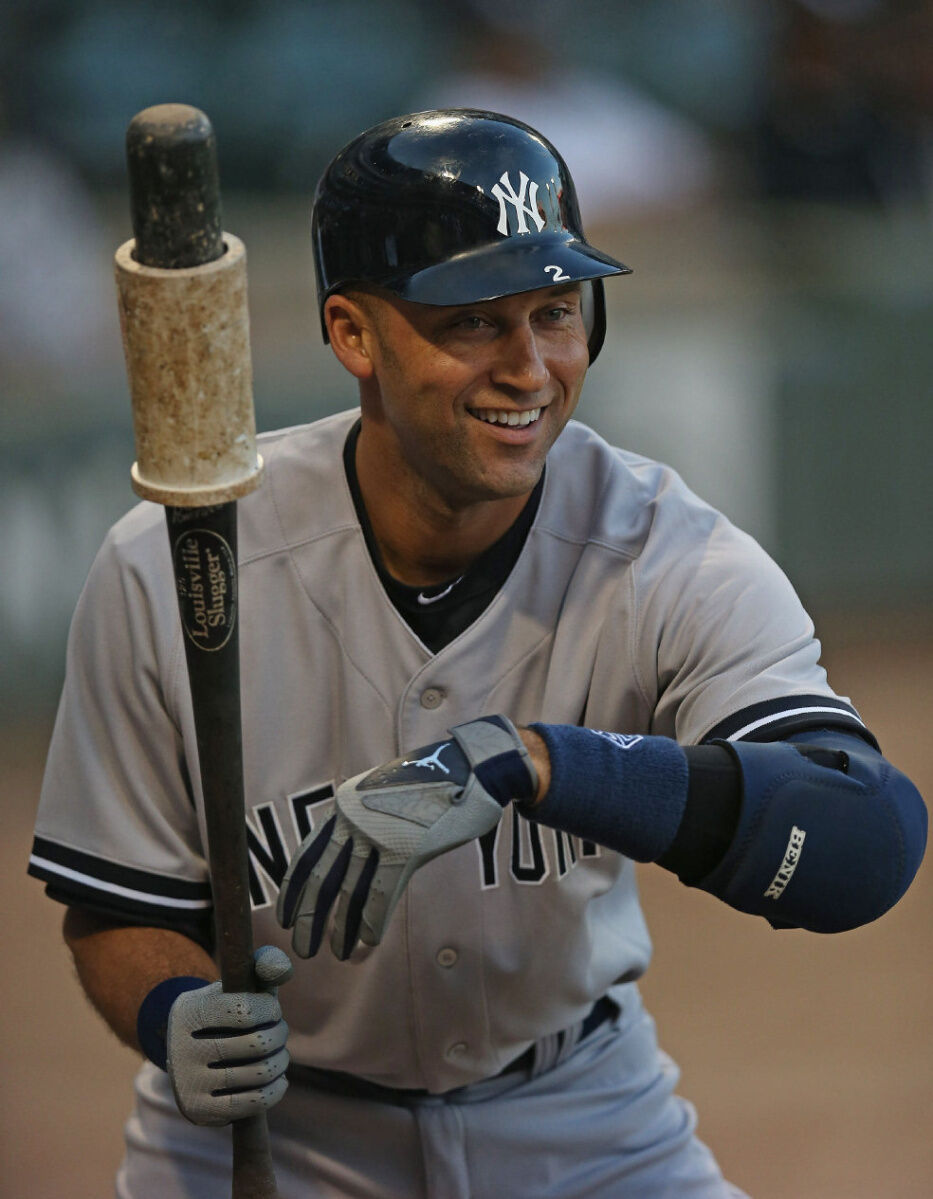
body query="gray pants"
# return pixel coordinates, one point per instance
(602, 1122)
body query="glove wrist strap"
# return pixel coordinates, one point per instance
(506, 774)
(152, 1020)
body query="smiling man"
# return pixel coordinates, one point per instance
(460, 407)
(490, 662)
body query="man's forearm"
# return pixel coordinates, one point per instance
(118, 965)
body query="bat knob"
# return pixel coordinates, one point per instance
(171, 157)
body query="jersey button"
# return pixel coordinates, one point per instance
(458, 1049)
(446, 957)
(432, 697)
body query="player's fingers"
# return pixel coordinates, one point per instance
(222, 1051)
(249, 1075)
(249, 1103)
(384, 893)
(327, 893)
(239, 1102)
(306, 915)
(350, 879)
(304, 861)
(273, 967)
(212, 1012)
(350, 906)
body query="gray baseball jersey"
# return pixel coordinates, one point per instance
(633, 607)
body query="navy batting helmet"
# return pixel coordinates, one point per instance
(454, 206)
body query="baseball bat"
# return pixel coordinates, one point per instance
(182, 291)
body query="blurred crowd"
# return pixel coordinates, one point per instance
(830, 98)
(657, 105)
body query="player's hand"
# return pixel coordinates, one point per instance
(226, 1050)
(389, 821)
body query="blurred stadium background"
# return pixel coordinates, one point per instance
(766, 166)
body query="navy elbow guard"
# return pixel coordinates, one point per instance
(829, 837)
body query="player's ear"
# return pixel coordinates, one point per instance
(350, 328)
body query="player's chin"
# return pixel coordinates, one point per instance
(510, 479)
(507, 461)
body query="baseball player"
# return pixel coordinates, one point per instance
(489, 662)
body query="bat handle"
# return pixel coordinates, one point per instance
(253, 1176)
(203, 544)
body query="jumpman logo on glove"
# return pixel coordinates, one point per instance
(430, 762)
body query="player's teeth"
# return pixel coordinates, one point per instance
(502, 417)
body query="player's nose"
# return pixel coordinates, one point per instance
(519, 364)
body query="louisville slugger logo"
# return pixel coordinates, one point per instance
(205, 576)
(506, 194)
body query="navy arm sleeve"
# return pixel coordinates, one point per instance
(820, 832)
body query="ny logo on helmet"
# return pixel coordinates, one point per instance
(505, 193)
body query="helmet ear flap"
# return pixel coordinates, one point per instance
(594, 315)
(323, 319)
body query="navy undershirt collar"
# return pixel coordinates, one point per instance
(439, 613)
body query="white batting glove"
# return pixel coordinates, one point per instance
(226, 1050)
(390, 821)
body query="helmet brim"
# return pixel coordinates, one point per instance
(492, 271)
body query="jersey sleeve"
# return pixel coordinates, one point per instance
(733, 652)
(117, 830)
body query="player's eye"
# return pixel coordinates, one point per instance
(560, 313)
(471, 321)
